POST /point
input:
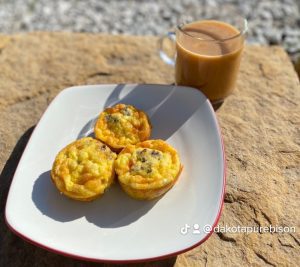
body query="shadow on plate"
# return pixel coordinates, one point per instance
(167, 108)
(88, 129)
(114, 209)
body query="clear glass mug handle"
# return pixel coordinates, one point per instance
(171, 36)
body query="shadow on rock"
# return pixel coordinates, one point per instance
(11, 165)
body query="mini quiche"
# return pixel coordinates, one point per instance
(122, 125)
(84, 169)
(148, 170)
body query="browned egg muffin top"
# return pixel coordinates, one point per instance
(149, 164)
(122, 125)
(84, 168)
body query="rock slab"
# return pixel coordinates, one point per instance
(260, 123)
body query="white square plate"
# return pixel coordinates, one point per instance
(116, 227)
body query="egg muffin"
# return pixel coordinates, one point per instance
(84, 169)
(148, 169)
(122, 125)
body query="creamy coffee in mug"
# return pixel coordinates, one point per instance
(208, 55)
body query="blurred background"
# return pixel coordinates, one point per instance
(270, 21)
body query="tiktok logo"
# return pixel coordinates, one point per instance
(184, 230)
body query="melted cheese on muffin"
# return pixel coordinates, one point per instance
(148, 166)
(84, 169)
(122, 125)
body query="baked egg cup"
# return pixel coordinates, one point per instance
(122, 125)
(84, 169)
(148, 169)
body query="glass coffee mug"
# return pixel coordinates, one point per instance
(208, 55)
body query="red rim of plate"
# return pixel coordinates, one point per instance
(74, 256)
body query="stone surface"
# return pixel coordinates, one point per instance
(260, 123)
